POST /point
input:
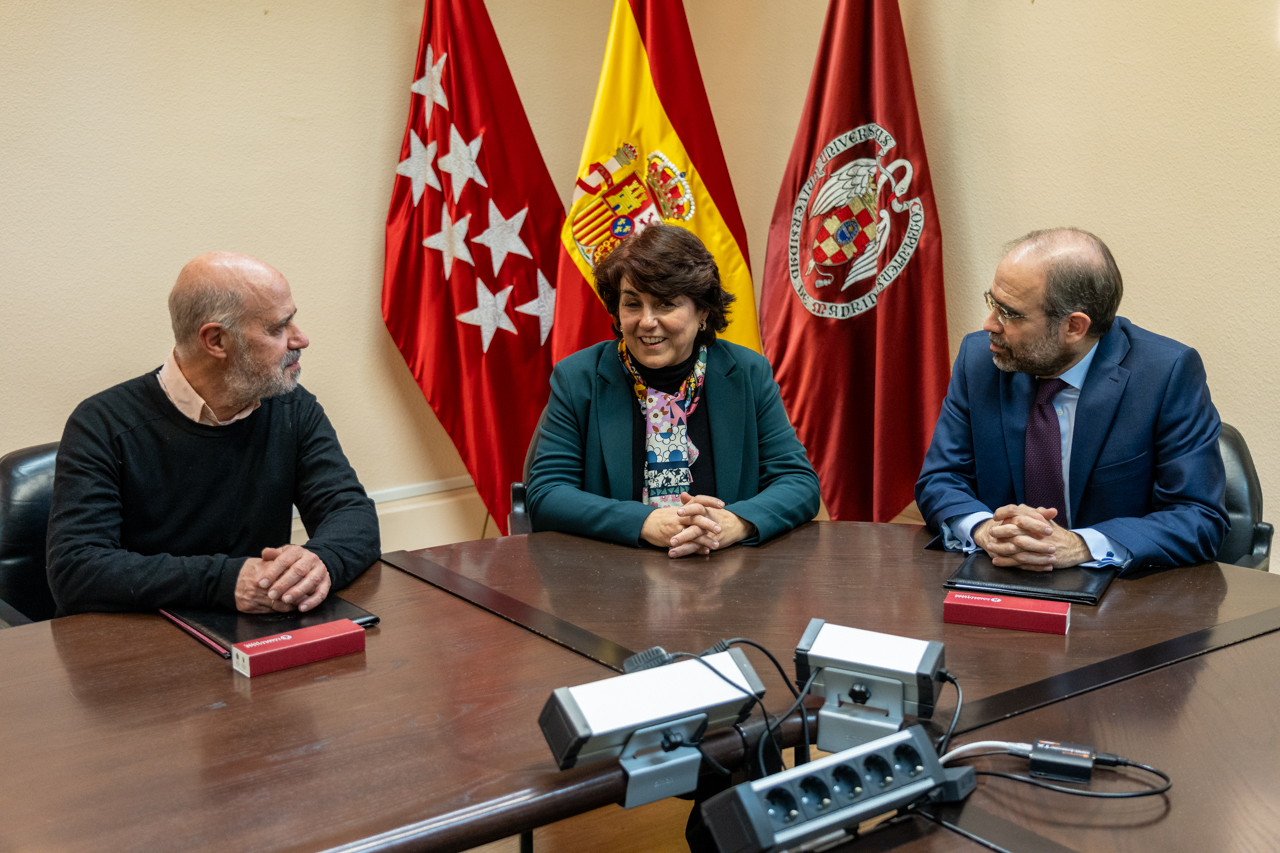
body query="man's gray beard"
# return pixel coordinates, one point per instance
(248, 384)
(1041, 358)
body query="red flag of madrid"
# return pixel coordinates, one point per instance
(852, 306)
(472, 241)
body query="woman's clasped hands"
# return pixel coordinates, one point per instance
(699, 526)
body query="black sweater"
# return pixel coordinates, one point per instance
(151, 509)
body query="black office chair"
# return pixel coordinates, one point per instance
(1248, 540)
(518, 520)
(26, 491)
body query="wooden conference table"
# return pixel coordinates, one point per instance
(119, 732)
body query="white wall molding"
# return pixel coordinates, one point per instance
(424, 515)
(415, 490)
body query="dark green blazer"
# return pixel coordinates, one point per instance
(580, 480)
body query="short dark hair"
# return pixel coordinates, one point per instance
(1082, 276)
(666, 261)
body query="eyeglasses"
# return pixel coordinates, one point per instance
(1006, 316)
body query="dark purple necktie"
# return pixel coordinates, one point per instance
(1042, 463)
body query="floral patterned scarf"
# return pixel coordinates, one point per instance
(668, 451)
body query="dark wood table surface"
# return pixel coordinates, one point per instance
(122, 733)
(878, 577)
(1212, 723)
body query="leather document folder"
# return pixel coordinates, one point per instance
(1077, 585)
(222, 629)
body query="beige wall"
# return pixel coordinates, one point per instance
(136, 134)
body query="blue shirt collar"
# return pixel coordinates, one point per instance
(1075, 376)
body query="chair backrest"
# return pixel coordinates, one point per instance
(533, 445)
(1243, 498)
(26, 492)
(518, 519)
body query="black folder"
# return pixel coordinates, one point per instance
(222, 629)
(1077, 585)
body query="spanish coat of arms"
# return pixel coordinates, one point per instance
(623, 196)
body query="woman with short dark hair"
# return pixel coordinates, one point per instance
(667, 435)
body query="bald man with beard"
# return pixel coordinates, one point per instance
(1070, 436)
(175, 489)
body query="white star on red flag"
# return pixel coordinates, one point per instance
(503, 236)
(417, 168)
(460, 162)
(428, 85)
(465, 123)
(543, 307)
(490, 314)
(451, 240)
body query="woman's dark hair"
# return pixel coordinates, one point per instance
(666, 261)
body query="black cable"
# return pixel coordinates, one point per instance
(745, 642)
(754, 700)
(723, 677)
(696, 742)
(715, 765)
(955, 718)
(791, 710)
(770, 732)
(723, 645)
(1101, 795)
(1125, 762)
(785, 680)
(770, 729)
(804, 724)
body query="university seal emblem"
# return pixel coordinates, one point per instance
(622, 196)
(844, 220)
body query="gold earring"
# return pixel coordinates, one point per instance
(702, 327)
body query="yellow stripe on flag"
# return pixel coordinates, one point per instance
(628, 111)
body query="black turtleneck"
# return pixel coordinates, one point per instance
(668, 380)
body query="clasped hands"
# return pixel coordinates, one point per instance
(700, 526)
(1028, 538)
(283, 579)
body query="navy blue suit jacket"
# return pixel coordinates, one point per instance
(1145, 466)
(580, 479)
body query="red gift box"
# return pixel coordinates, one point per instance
(293, 648)
(1006, 611)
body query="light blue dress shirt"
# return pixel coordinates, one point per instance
(957, 532)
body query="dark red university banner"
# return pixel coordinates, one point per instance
(852, 309)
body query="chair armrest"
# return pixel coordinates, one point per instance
(518, 521)
(1263, 532)
(10, 617)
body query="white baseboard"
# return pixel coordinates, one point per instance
(415, 490)
(424, 515)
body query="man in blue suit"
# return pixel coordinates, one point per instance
(1070, 436)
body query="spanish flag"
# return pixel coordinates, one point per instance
(651, 155)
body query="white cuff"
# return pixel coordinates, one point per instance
(1104, 551)
(957, 532)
